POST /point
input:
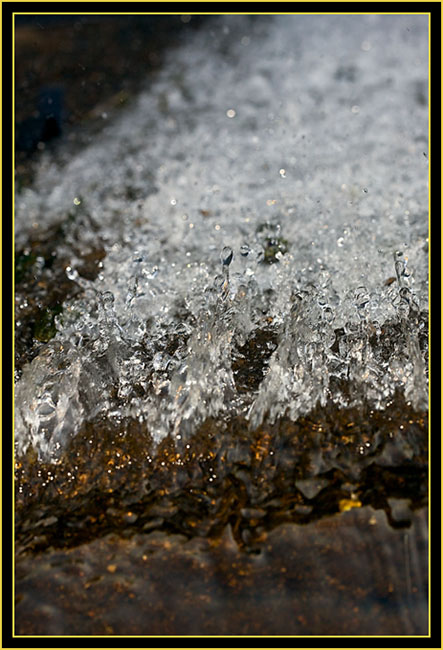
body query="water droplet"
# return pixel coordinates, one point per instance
(405, 294)
(219, 280)
(260, 254)
(108, 300)
(71, 273)
(226, 256)
(137, 257)
(231, 113)
(400, 262)
(361, 297)
(245, 250)
(328, 315)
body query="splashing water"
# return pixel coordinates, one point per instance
(333, 278)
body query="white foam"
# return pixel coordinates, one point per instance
(331, 101)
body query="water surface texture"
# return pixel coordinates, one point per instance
(222, 355)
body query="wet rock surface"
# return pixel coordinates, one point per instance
(163, 584)
(231, 532)
(330, 461)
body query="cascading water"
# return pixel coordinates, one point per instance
(315, 180)
(240, 270)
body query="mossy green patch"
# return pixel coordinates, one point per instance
(272, 247)
(44, 326)
(23, 264)
(268, 234)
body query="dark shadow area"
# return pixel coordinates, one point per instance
(72, 70)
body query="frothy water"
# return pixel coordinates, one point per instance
(269, 186)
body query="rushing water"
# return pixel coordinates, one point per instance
(221, 342)
(272, 179)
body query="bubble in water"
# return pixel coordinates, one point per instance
(182, 329)
(108, 299)
(405, 294)
(361, 297)
(151, 273)
(245, 250)
(328, 315)
(226, 256)
(259, 254)
(408, 299)
(137, 257)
